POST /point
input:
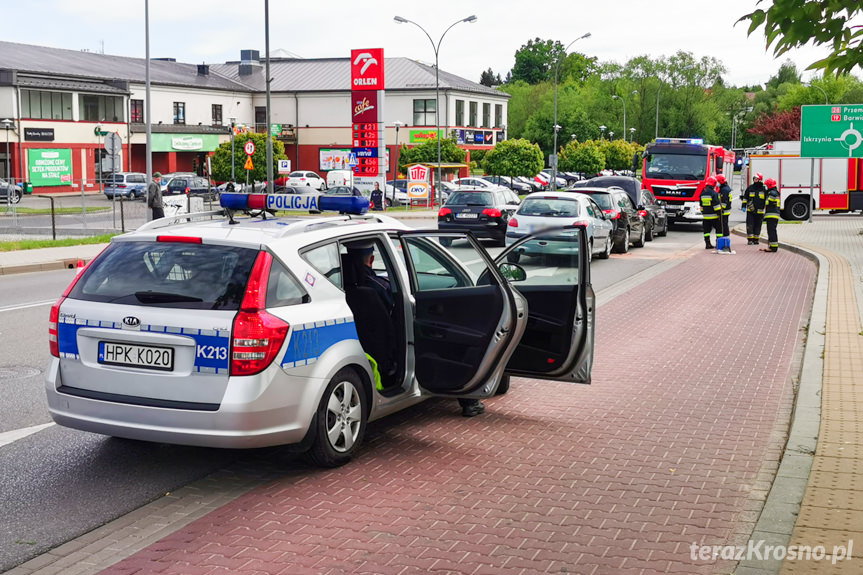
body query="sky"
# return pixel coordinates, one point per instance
(214, 31)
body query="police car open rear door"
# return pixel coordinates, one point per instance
(551, 269)
(466, 317)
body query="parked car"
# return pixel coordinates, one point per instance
(168, 177)
(561, 181)
(304, 178)
(130, 185)
(346, 191)
(290, 190)
(339, 178)
(619, 208)
(227, 334)
(654, 210)
(396, 193)
(511, 183)
(484, 212)
(534, 185)
(191, 186)
(10, 193)
(544, 210)
(476, 182)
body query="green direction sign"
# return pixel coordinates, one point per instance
(49, 167)
(831, 131)
(275, 129)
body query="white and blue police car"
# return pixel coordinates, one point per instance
(238, 328)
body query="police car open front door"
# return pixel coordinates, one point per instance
(558, 340)
(465, 314)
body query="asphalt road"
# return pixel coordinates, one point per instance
(59, 483)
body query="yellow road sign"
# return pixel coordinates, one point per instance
(249, 165)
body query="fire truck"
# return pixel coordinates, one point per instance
(675, 169)
(836, 183)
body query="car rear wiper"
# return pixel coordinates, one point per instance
(474, 204)
(163, 297)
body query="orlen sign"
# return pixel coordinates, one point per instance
(367, 69)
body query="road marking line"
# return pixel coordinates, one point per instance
(26, 305)
(16, 434)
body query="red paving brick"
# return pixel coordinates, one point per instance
(661, 451)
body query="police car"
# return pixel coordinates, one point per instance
(238, 329)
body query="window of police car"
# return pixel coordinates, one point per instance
(283, 288)
(168, 274)
(326, 260)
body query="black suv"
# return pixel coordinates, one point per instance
(191, 186)
(617, 206)
(486, 213)
(654, 210)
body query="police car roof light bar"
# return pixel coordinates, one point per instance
(352, 205)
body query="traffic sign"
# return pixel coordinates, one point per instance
(113, 143)
(250, 149)
(352, 159)
(249, 165)
(831, 131)
(284, 166)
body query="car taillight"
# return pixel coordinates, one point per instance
(581, 224)
(491, 212)
(513, 223)
(187, 191)
(642, 213)
(120, 185)
(257, 335)
(54, 315)
(444, 212)
(612, 214)
(179, 239)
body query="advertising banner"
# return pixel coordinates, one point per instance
(333, 159)
(49, 167)
(420, 136)
(365, 106)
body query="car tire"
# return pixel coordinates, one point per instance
(623, 246)
(14, 196)
(513, 257)
(606, 253)
(649, 235)
(503, 386)
(664, 231)
(341, 420)
(639, 243)
(388, 203)
(446, 242)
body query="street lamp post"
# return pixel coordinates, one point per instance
(436, 47)
(622, 99)
(573, 136)
(233, 126)
(631, 134)
(610, 136)
(602, 132)
(555, 126)
(398, 125)
(811, 85)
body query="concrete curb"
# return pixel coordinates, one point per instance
(780, 510)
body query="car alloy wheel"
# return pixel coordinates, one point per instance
(340, 420)
(14, 197)
(624, 245)
(606, 253)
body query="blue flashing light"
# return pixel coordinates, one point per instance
(696, 141)
(346, 204)
(311, 202)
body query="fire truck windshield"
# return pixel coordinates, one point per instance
(676, 167)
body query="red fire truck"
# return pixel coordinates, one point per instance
(675, 169)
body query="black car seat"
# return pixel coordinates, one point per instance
(374, 326)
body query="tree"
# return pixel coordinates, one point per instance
(618, 154)
(488, 78)
(534, 61)
(794, 23)
(513, 158)
(426, 153)
(586, 158)
(222, 158)
(787, 74)
(778, 125)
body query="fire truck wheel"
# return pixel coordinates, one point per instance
(797, 209)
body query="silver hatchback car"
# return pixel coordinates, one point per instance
(239, 331)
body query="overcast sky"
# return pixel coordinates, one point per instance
(215, 31)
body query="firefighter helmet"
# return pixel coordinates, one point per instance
(720, 178)
(770, 183)
(758, 177)
(710, 181)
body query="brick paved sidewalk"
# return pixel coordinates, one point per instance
(670, 446)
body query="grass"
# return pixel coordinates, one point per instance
(13, 246)
(47, 211)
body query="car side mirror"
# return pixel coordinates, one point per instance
(640, 207)
(512, 272)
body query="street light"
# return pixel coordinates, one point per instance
(436, 47)
(556, 127)
(398, 125)
(7, 124)
(601, 132)
(631, 134)
(610, 136)
(573, 136)
(233, 125)
(811, 85)
(616, 97)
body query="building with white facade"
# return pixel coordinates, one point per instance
(59, 104)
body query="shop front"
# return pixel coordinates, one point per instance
(176, 152)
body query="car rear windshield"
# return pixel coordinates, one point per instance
(550, 207)
(168, 274)
(603, 199)
(470, 198)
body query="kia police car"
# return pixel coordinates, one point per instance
(238, 329)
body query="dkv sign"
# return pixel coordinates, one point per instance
(418, 187)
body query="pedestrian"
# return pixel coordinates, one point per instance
(154, 197)
(725, 196)
(711, 211)
(753, 201)
(377, 198)
(771, 215)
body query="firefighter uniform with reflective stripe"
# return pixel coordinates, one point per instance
(753, 201)
(771, 218)
(711, 210)
(725, 197)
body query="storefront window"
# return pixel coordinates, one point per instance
(40, 105)
(424, 113)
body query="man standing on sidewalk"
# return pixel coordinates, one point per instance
(753, 204)
(154, 197)
(725, 197)
(771, 215)
(711, 211)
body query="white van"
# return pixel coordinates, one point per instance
(339, 178)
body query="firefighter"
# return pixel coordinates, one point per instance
(711, 211)
(725, 197)
(753, 204)
(771, 215)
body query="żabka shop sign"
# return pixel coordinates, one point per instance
(49, 167)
